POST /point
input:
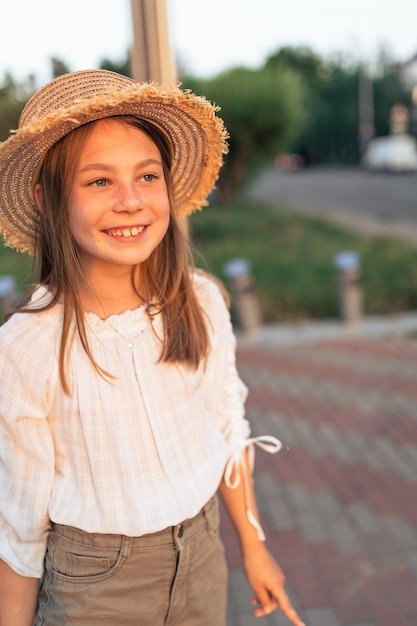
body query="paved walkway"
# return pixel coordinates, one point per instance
(338, 503)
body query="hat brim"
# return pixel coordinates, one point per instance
(197, 135)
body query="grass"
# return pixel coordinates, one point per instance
(17, 265)
(292, 261)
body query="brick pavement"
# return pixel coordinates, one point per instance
(338, 503)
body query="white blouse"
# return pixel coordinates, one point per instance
(130, 456)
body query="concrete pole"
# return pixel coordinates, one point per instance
(151, 58)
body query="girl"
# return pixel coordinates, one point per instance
(121, 411)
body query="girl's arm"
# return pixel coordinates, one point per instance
(262, 571)
(17, 597)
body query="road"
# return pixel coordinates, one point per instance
(376, 203)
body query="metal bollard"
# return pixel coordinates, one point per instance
(238, 271)
(8, 293)
(347, 264)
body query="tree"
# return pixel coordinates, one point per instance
(388, 90)
(337, 122)
(121, 67)
(9, 116)
(302, 60)
(13, 97)
(330, 102)
(59, 67)
(262, 112)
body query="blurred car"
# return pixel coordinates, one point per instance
(394, 153)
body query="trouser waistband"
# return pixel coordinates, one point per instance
(172, 534)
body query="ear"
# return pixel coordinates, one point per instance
(38, 193)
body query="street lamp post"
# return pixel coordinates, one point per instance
(151, 56)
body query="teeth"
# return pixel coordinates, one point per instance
(127, 232)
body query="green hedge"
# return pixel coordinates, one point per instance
(292, 260)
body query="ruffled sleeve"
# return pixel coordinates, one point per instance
(27, 374)
(226, 395)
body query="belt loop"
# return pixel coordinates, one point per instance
(208, 517)
(125, 547)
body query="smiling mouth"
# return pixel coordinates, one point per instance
(126, 232)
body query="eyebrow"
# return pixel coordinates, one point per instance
(107, 168)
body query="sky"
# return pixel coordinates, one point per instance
(206, 37)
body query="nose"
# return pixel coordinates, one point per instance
(128, 199)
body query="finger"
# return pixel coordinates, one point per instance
(294, 617)
(265, 597)
(262, 611)
(287, 608)
(267, 602)
(271, 601)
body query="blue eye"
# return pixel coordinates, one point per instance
(100, 182)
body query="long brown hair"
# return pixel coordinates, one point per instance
(165, 274)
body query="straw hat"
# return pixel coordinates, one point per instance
(198, 138)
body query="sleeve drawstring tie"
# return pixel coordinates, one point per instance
(232, 471)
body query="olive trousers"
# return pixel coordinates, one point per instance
(175, 577)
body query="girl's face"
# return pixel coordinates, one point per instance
(118, 205)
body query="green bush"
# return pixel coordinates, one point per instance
(292, 260)
(17, 265)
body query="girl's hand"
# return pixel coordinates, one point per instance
(268, 582)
